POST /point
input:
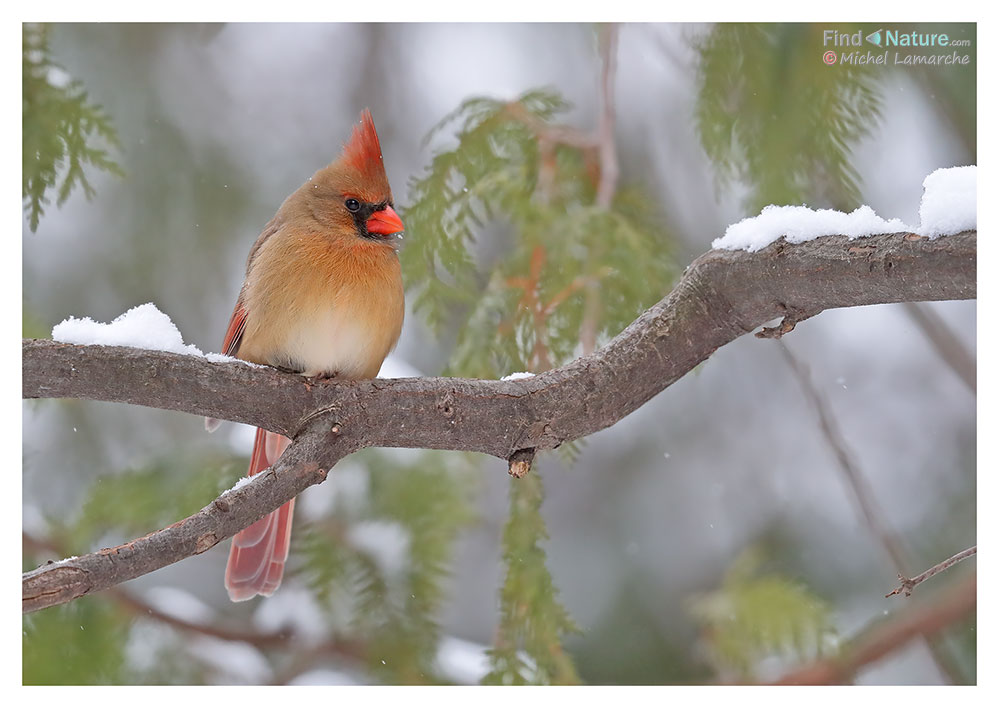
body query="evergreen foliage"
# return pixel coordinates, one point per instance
(79, 643)
(61, 129)
(564, 258)
(774, 118)
(567, 267)
(152, 496)
(755, 614)
(530, 613)
(392, 604)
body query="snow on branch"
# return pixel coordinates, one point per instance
(949, 205)
(721, 296)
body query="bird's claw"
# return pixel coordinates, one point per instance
(319, 379)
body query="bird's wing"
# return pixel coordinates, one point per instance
(230, 347)
(237, 323)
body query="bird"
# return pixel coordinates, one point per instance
(322, 297)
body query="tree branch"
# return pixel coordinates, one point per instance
(863, 494)
(304, 652)
(907, 584)
(609, 174)
(57, 582)
(923, 620)
(950, 349)
(722, 295)
(609, 169)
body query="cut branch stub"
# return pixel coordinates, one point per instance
(520, 462)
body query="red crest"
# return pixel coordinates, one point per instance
(362, 151)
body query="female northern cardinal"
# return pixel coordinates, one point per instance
(322, 297)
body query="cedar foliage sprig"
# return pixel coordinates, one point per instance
(772, 116)
(565, 270)
(531, 615)
(62, 129)
(392, 610)
(521, 305)
(758, 613)
(75, 644)
(152, 495)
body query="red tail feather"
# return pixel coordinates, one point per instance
(258, 553)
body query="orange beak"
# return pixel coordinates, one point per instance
(384, 222)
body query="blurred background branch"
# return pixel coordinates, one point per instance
(863, 495)
(873, 517)
(609, 169)
(946, 344)
(920, 621)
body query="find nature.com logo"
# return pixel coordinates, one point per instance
(892, 38)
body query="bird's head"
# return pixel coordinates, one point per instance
(351, 196)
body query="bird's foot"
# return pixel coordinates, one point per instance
(310, 381)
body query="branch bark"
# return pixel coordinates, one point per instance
(721, 296)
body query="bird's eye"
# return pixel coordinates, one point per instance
(352, 205)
